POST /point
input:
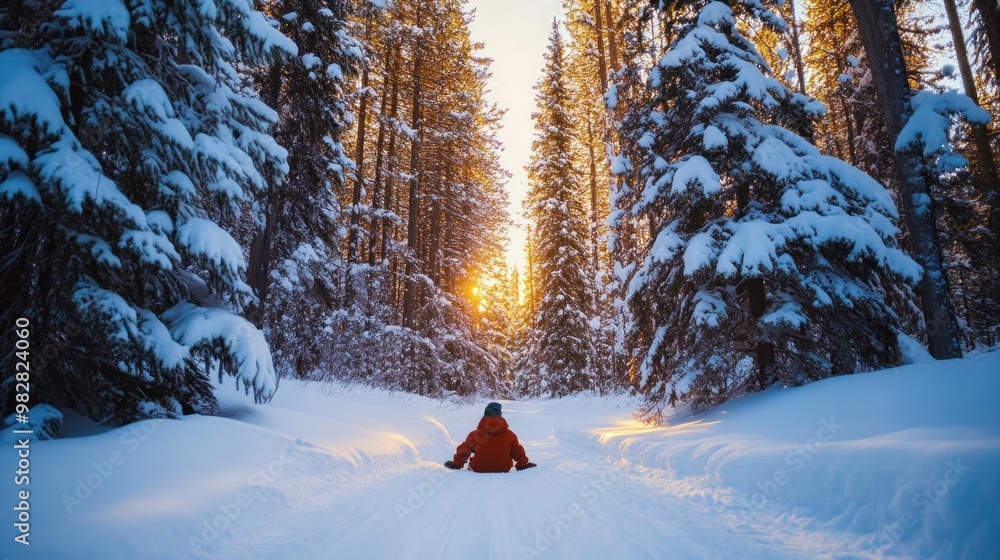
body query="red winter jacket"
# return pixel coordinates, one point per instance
(495, 447)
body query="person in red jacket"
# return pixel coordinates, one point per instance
(493, 447)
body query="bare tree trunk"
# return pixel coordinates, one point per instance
(797, 49)
(409, 294)
(434, 251)
(851, 135)
(757, 298)
(531, 304)
(879, 32)
(593, 198)
(260, 259)
(601, 55)
(391, 155)
(989, 12)
(359, 178)
(379, 155)
(980, 137)
(609, 23)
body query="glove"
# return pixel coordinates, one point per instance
(451, 465)
(526, 466)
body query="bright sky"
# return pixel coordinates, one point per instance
(516, 34)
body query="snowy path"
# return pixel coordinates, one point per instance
(832, 470)
(579, 503)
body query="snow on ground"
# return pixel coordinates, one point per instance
(902, 463)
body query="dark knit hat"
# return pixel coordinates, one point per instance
(493, 409)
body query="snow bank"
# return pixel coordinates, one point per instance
(904, 460)
(198, 486)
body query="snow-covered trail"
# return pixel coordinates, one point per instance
(894, 464)
(579, 503)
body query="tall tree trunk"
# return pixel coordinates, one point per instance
(879, 32)
(797, 49)
(593, 198)
(851, 134)
(387, 227)
(613, 60)
(531, 304)
(409, 294)
(434, 251)
(609, 23)
(757, 298)
(353, 248)
(980, 137)
(388, 79)
(601, 54)
(989, 13)
(435, 191)
(260, 259)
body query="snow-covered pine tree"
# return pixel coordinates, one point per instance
(555, 359)
(295, 265)
(592, 55)
(768, 261)
(929, 135)
(128, 138)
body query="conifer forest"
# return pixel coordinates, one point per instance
(722, 197)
